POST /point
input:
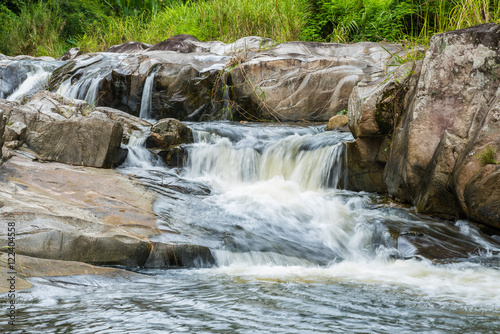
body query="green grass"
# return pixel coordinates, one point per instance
(487, 156)
(221, 20)
(37, 27)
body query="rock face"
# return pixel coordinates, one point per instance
(90, 142)
(439, 121)
(69, 130)
(245, 80)
(89, 215)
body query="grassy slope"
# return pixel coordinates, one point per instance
(51, 27)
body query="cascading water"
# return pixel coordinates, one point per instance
(87, 76)
(147, 94)
(19, 78)
(294, 253)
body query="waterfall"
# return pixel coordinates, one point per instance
(313, 161)
(147, 95)
(20, 78)
(138, 155)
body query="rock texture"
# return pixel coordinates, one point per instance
(167, 133)
(90, 142)
(89, 215)
(245, 80)
(439, 118)
(337, 122)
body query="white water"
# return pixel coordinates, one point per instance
(35, 79)
(294, 253)
(147, 95)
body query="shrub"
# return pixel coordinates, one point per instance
(487, 156)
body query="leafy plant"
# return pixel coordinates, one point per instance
(487, 156)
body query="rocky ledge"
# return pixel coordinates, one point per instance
(428, 133)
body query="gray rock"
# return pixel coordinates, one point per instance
(167, 133)
(83, 141)
(70, 54)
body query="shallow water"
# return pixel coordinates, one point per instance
(294, 254)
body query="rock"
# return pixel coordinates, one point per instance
(129, 122)
(175, 256)
(72, 213)
(129, 47)
(70, 54)
(459, 78)
(174, 156)
(178, 43)
(167, 133)
(16, 131)
(365, 168)
(482, 196)
(375, 107)
(337, 122)
(435, 195)
(83, 141)
(215, 81)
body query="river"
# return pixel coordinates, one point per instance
(294, 253)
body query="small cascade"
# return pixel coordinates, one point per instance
(87, 76)
(314, 161)
(20, 78)
(147, 95)
(138, 155)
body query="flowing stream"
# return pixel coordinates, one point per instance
(294, 253)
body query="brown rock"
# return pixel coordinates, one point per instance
(482, 196)
(337, 122)
(169, 132)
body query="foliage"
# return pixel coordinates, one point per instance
(49, 27)
(35, 31)
(221, 20)
(394, 20)
(487, 156)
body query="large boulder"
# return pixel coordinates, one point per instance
(83, 141)
(460, 77)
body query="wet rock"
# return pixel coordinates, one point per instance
(129, 47)
(337, 122)
(167, 133)
(83, 141)
(174, 156)
(176, 256)
(243, 80)
(70, 54)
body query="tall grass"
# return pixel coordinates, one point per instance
(224, 20)
(35, 31)
(49, 27)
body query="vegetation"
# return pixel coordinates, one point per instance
(487, 156)
(50, 27)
